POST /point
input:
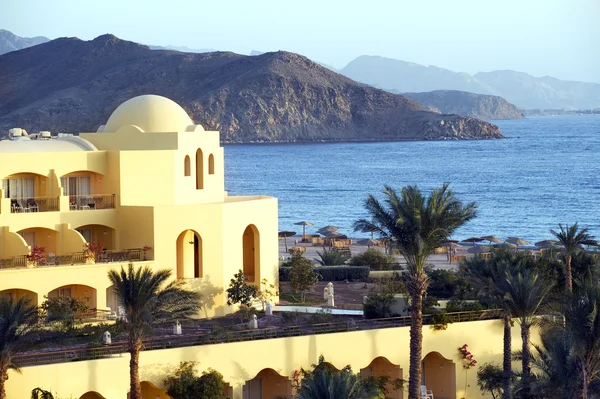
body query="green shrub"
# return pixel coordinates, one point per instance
(332, 258)
(186, 384)
(376, 276)
(439, 321)
(372, 258)
(456, 305)
(333, 273)
(378, 305)
(490, 379)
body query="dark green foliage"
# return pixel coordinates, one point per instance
(39, 393)
(186, 384)
(456, 305)
(324, 381)
(64, 309)
(302, 275)
(332, 257)
(378, 305)
(442, 283)
(332, 273)
(489, 379)
(376, 260)
(239, 291)
(439, 321)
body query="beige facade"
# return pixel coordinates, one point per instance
(151, 178)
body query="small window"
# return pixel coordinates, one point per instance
(211, 164)
(199, 170)
(186, 166)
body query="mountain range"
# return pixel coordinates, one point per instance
(521, 89)
(71, 85)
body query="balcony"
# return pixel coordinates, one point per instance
(75, 258)
(92, 202)
(34, 204)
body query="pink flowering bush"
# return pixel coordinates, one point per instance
(467, 357)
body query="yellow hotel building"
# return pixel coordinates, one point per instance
(148, 188)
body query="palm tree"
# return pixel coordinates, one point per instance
(17, 321)
(572, 238)
(488, 277)
(39, 393)
(416, 225)
(525, 294)
(332, 384)
(140, 291)
(567, 360)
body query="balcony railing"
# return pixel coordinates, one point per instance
(76, 258)
(34, 204)
(91, 201)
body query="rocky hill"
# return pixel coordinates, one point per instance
(11, 42)
(70, 85)
(468, 104)
(521, 89)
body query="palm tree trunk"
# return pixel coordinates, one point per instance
(135, 389)
(506, 363)
(568, 274)
(3, 378)
(416, 345)
(525, 362)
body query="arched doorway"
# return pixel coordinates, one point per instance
(112, 300)
(91, 395)
(199, 170)
(82, 292)
(439, 375)
(189, 255)
(251, 254)
(382, 367)
(267, 384)
(17, 293)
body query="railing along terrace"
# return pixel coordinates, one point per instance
(92, 201)
(34, 204)
(178, 341)
(74, 259)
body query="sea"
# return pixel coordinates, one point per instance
(546, 172)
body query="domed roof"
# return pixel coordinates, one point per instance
(151, 113)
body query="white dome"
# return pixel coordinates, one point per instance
(151, 113)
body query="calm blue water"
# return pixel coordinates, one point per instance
(547, 172)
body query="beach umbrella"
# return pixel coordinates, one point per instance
(303, 223)
(479, 249)
(334, 234)
(285, 235)
(445, 243)
(328, 229)
(473, 240)
(547, 244)
(517, 241)
(492, 239)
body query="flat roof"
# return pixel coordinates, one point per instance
(59, 144)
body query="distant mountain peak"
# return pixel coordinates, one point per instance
(11, 42)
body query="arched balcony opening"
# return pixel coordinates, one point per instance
(268, 384)
(211, 164)
(189, 255)
(199, 170)
(30, 192)
(98, 235)
(17, 293)
(187, 168)
(382, 367)
(82, 292)
(439, 376)
(251, 254)
(112, 300)
(41, 238)
(86, 190)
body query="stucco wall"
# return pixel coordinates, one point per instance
(242, 361)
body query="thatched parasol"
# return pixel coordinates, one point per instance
(547, 244)
(303, 223)
(285, 235)
(492, 239)
(473, 240)
(517, 241)
(328, 229)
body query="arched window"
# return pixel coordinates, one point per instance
(251, 254)
(186, 166)
(199, 170)
(211, 164)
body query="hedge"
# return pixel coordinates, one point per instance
(333, 273)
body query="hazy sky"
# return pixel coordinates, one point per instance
(560, 38)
